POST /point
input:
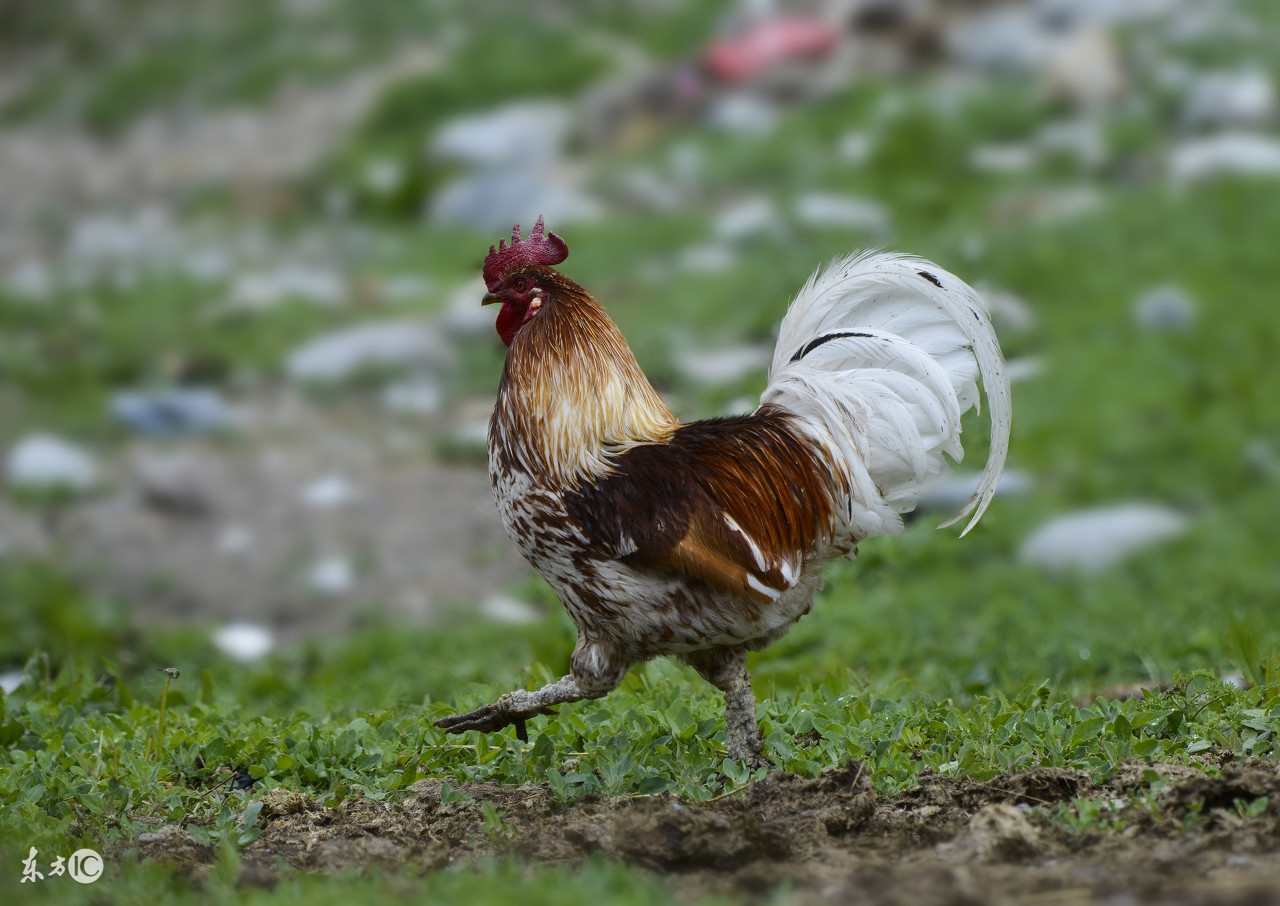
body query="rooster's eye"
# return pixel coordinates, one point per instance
(521, 284)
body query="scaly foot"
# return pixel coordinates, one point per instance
(492, 717)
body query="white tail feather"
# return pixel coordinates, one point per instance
(879, 356)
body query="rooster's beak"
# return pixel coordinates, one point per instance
(490, 299)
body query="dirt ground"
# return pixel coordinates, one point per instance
(830, 839)
(218, 530)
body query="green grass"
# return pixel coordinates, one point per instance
(925, 652)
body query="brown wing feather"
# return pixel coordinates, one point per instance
(737, 503)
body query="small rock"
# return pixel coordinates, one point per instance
(747, 219)
(1005, 158)
(244, 642)
(341, 355)
(1008, 311)
(42, 461)
(333, 575)
(1023, 368)
(162, 835)
(1165, 308)
(207, 264)
(1085, 69)
(1230, 153)
(493, 200)
(172, 412)
(267, 289)
(328, 493)
(954, 491)
(235, 540)
(383, 176)
(1082, 139)
(522, 133)
(173, 485)
(647, 189)
(1095, 539)
(464, 316)
(825, 209)
(509, 610)
(415, 396)
(1236, 680)
(712, 258)
(30, 279)
(719, 367)
(1244, 99)
(743, 113)
(470, 432)
(404, 287)
(10, 680)
(855, 147)
(1008, 40)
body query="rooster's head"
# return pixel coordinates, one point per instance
(515, 274)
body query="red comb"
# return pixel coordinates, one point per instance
(537, 249)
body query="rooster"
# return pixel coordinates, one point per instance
(706, 540)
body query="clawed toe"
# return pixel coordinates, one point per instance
(489, 719)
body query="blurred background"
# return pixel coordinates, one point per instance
(245, 375)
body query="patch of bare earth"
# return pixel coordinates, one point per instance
(829, 839)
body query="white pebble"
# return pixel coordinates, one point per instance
(244, 642)
(1095, 539)
(42, 461)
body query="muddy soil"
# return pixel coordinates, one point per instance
(830, 839)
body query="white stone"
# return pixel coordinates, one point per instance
(711, 258)
(235, 541)
(743, 113)
(404, 287)
(522, 133)
(464, 316)
(43, 461)
(1166, 308)
(383, 176)
(952, 492)
(855, 147)
(1235, 99)
(332, 575)
(328, 492)
(1010, 157)
(1082, 139)
(493, 200)
(1092, 540)
(504, 609)
(1023, 368)
(30, 279)
(342, 354)
(1008, 311)
(10, 680)
(415, 396)
(266, 289)
(719, 367)
(244, 642)
(826, 209)
(747, 219)
(1238, 153)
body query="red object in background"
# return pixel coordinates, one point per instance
(766, 44)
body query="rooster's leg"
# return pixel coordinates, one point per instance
(726, 669)
(596, 672)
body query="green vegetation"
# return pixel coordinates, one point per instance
(924, 653)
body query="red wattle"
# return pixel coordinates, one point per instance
(509, 321)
